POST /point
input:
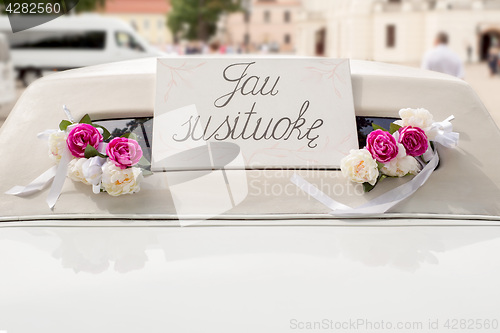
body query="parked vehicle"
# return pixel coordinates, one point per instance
(73, 41)
(278, 261)
(7, 79)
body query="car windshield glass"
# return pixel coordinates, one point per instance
(127, 41)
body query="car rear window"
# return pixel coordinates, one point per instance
(143, 128)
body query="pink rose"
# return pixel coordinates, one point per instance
(414, 140)
(81, 136)
(382, 146)
(124, 152)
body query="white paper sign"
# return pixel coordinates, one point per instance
(274, 112)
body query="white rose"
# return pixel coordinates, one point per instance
(75, 170)
(360, 167)
(402, 165)
(92, 169)
(57, 142)
(118, 181)
(415, 117)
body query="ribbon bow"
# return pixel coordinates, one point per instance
(442, 132)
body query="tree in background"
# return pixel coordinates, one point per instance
(197, 19)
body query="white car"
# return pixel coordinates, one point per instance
(278, 261)
(73, 41)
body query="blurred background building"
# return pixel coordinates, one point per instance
(147, 17)
(264, 26)
(396, 30)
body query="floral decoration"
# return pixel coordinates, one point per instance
(396, 152)
(112, 165)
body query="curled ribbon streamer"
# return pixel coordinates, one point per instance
(60, 177)
(45, 134)
(444, 134)
(36, 185)
(380, 204)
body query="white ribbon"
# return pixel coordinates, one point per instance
(57, 184)
(442, 132)
(379, 205)
(92, 171)
(36, 185)
(56, 174)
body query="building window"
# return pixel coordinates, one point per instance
(287, 39)
(246, 39)
(160, 24)
(133, 24)
(146, 25)
(394, 1)
(390, 36)
(267, 16)
(286, 16)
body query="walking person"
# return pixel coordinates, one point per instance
(493, 59)
(443, 59)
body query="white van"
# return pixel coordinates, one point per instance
(7, 79)
(73, 41)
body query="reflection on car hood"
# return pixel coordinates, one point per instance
(241, 279)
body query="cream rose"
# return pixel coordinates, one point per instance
(75, 170)
(118, 181)
(415, 117)
(360, 167)
(402, 165)
(57, 142)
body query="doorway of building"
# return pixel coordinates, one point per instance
(320, 40)
(488, 39)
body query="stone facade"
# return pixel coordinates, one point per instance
(396, 30)
(265, 25)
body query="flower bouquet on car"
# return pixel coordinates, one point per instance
(402, 150)
(112, 165)
(86, 152)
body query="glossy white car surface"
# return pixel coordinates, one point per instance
(278, 262)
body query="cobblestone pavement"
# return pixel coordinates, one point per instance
(488, 88)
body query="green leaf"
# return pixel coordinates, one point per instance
(63, 125)
(86, 120)
(91, 152)
(380, 165)
(394, 128)
(130, 136)
(105, 132)
(143, 162)
(368, 187)
(376, 127)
